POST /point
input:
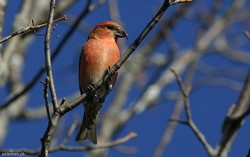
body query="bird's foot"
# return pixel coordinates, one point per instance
(110, 71)
(91, 88)
(109, 84)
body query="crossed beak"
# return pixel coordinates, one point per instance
(120, 33)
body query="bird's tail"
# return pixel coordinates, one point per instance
(86, 133)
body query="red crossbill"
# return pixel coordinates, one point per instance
(98, 54)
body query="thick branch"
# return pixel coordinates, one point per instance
(53, 122)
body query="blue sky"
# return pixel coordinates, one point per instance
(209, 105)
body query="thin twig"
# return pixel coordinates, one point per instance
(173, 2)
(179, 121)
(46, 96)
(30, 27)
(73, 148)
(185, 94)
(48, 54)
(63, 101)
(190, 122)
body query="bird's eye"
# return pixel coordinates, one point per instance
(111, 27)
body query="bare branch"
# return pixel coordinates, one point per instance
(46, 97)
(172, 2)
(63, 147)
(30, 27)
(170, 128)
(48, 54)
(190, 122)
(233, 121)
(46, 143)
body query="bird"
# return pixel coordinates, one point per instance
(99, 53)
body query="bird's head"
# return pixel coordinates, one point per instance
(108, 29)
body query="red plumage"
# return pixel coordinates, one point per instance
(99, 53)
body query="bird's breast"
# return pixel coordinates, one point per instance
(97, 56)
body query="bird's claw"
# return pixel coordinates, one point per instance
(110, 71)
(91, 88)
(109, 84)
